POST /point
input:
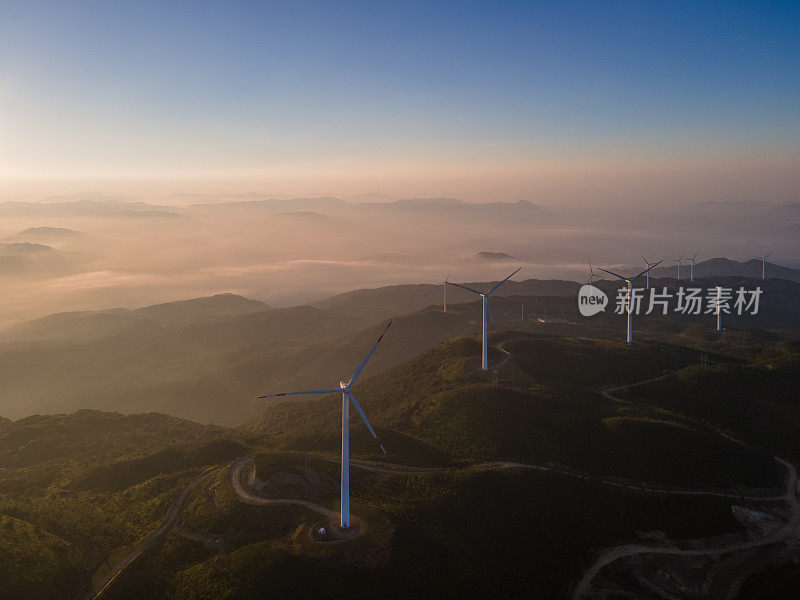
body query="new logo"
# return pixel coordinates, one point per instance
(591, 300)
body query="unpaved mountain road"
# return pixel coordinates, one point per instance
(248, 498)
(789, 496)
(612, 554)
(609, 391)
(98, 587)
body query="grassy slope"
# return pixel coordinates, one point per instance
(467, 535)
(758, 400)
(74, 487)
(439, 408)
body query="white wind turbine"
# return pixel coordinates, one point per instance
(763, 260)
(591, 273)
(679, 263)
(719, 308)
(693, 263)
(629, 281)
(444, 290)
(649, 264)
(347, 397)
(486, 305)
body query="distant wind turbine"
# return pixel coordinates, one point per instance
(719, 308)
(591, 273)
(347, 398)
(763, 260)
(486, 306)
(679, 263)
(691, 275)
(649, 264)
(444, 290)
(629, 281)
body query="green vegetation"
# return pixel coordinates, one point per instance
(592, 362)
(465, 535)
(440, 406)
(75, 487)
(757, 400)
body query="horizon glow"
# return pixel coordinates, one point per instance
(477, 100)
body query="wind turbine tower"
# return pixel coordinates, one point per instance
(647, 273)
(347, 399)
(444, 291)
(486, 307)
(629, 281)
(719, 308)
(679, 263)
(691, 272)
(763, 260)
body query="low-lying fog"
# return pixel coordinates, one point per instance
(93, 251)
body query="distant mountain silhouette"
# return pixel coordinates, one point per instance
(305, 215)
(259, 203)
(83, 205)
(50, 233)
(184, 311)
(520, 210)
(85, 326)
(494, 256)
(384, 302)
(198, 359)
(25, 248)
(724, 267)
(25, 258)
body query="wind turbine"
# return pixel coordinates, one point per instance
(629, 281)
(763, 260)
(719, 308)
(486, 305)
(691, 272)
(444, 290)
(649, 264)
(347, 398)
(591, 273)
(679, 263)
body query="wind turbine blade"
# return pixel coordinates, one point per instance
(366, 421)
(366, 358)
(646, 270)
(489, 307)
(504, 280)
(767, 255)
(463, 287)
(326, 391)
(612, 273)
(695, 254)
(645, 260)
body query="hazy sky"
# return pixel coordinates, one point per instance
(506, 100)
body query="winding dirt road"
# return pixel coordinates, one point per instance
(248, 498)
(613, 554)
(98, 587)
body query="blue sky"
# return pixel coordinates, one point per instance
(255, 90)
